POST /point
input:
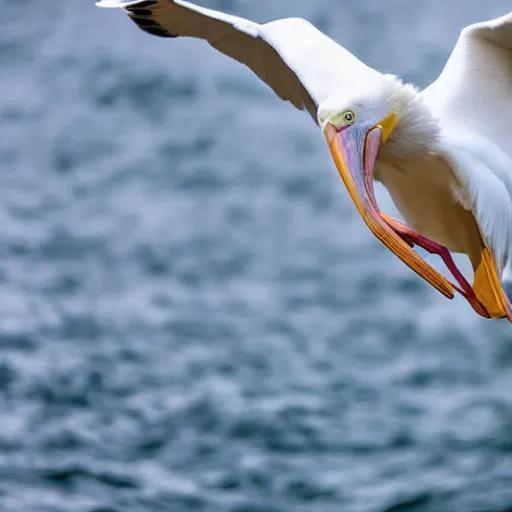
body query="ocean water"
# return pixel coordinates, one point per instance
(193, 317)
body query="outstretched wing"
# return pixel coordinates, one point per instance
(300, 63)
(475, 88)
(473, 99)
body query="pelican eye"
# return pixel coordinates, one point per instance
(343, 119)
(349, 117)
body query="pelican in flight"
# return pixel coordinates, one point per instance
(444, 153)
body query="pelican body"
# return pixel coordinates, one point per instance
(443, 154)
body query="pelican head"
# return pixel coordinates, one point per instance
(408, 127)
(384, 116)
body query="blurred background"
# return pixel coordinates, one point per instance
(193, 317)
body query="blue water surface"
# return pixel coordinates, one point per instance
(193, 316)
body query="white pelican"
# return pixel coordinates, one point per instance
(444, 154)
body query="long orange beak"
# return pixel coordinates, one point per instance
(354, 150)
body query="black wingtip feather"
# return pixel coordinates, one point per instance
(149, 26)
(156, 31)
(142, 5)
(145, 22)
(141, 14)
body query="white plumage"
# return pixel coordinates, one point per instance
(445, 156)
(473, 100)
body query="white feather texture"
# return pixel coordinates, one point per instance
(417, 130)
(483, 172)
(473, 100)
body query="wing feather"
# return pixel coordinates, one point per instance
(473, 99)
(300, 63)
(475, 87)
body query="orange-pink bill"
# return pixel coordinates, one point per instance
(354, 150)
